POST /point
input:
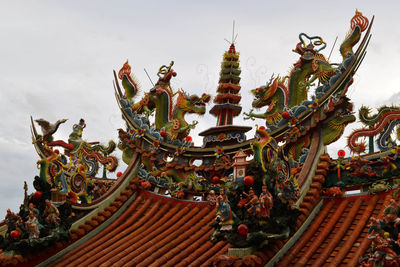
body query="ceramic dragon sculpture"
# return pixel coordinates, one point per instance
(178, 127)
(333, 127)
(169, 114)
(381, 123)
(70, 171)
(271, 157)
(291, 91)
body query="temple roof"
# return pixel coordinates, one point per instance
(152, 231)
(338, 233)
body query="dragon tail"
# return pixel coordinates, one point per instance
(128, 81)
(359, 23)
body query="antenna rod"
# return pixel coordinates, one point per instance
(332, 48)
(148, 77)
(233, 32)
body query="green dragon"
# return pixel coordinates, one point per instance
(270, 95)
(264, 148)
(311, 66)
(168, 115)
(368, 120)
(333, 127)
(160, 96)
(178, 128)
(180, 178)
(381, 124)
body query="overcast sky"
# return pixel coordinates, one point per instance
(57, 59)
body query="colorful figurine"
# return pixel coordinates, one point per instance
(51, 213)
(76, 136)
(224, 214)
(32, 226)
(374, 226)
(266, 202)
(252, 204)
(390, 213)
(220, 197)
(34, 210)
(11, 219)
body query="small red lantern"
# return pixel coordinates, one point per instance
(243, 229)
(341, 153)
(57, 151)
(163, 133)
(37, 195)
(15, 234)
(262, 128)
(215, 179)
(189, 139)
(285, 115)
(119, 174)
(248, 180)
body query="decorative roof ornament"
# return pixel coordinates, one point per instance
(227, 102)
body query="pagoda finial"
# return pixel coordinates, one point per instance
(227, 101)
(228, 98)
(233, 40)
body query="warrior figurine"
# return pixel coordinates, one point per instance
(253, 203)
(51, 213)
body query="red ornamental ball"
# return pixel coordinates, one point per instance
(189, 139)
(15, 234)
(248, 180)
(243, 229)
(37, 195)
(262, 128)
(285, 115)
(119, 174)
(57, 151)
(215, 179)
(163, 133)
(341, 153)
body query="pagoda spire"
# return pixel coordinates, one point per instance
(227, 100)
(227, 105)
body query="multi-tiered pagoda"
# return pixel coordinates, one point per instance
(227, 104)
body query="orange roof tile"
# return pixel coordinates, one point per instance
(338, 234)
(152, 231)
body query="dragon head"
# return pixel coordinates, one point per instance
(263, 95)
(336, 123)
(343, 115)
(193, 103)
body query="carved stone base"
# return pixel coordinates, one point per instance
(240, 252)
